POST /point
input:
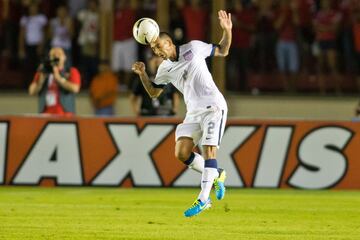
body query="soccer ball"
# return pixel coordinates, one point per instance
(145, 30)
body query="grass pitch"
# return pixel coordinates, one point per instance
(113, 213)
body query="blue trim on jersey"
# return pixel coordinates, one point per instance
(158, 85)
(222, 117)
(213, 49)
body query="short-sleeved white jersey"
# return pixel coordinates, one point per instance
(190, 75)
(34, 28)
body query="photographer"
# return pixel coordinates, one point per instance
(56, 85)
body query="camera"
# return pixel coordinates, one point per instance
(48, 64)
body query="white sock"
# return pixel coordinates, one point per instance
(198, 163)
(207, 180)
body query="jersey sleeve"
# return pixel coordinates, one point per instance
(75, 76)
(161, 78)
(203, 49)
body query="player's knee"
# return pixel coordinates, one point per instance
(182, 154)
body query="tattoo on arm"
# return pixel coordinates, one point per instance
(153, 92)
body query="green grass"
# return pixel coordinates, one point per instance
(113, 213)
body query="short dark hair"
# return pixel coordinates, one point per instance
(166, 34)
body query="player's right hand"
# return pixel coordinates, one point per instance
(138, 68)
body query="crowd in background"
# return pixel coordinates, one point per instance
(283, 43)
(296, 40)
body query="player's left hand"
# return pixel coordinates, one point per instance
(225, 20)
(138, 68)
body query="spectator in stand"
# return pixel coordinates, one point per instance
(244, 24)
(103, 91)
(10, 13)
(265, 36)
(165, 105)
(31, 37)
(88, 40)
(356, 34)
(49, 8)
(345, 35)
(326, 25)
(306, 34)
(195, 16)
(177, 26)
(56, 85)
(4, 9)
(287, 54)
(124, 50)
(75, 6)
(61, 31)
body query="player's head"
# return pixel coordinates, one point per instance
(163, 46)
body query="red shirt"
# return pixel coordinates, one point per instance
(123, 24)
(52, 100)
(345, 8)
(241, 36)
(306, 12)
(326, 19)
(356, 33)
(196, 21)
(287, 31)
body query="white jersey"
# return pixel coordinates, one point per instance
(190, 75)
(34, 28)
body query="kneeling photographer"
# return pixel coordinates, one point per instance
(56, 85)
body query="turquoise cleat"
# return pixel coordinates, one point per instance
(197, 207)
(219, 184)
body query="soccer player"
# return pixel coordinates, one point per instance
(185, 67)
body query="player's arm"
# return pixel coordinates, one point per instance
(139, 69)
(226, 24)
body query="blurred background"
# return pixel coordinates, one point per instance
(289, 58)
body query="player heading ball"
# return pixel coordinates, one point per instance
(185, 67)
